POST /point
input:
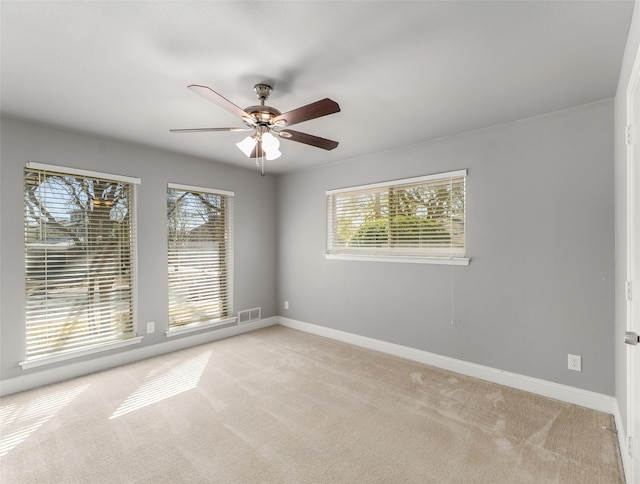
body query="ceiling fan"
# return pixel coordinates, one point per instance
(267, 123)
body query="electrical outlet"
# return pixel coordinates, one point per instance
(151, 327)
(575, 362)
(286, 304)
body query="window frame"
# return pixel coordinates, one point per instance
(230, 318)
(129, 338)
(392, 254)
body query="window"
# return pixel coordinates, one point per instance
(413, 220)
(200, 256)
(79, 256)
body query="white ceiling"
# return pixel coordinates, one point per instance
(402, 72)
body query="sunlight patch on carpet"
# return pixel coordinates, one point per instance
(19, 422)
(179, 379)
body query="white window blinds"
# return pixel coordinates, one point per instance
(416, 217)
(79, 257)
(200, 255)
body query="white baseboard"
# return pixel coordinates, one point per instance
(74, 369)
(565, 393)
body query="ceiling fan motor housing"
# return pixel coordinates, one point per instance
(263, 114)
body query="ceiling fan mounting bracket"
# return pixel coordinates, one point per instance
(263, 91)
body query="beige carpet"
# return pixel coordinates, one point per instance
(282, 406)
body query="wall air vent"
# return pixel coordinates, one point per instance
(249, 315)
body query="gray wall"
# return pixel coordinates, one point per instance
(540, 234)
(633, 44)
(255, 220)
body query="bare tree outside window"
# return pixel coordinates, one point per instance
(198, 244)
(78, 249)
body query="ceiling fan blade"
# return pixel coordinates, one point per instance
(221, 101)
(204, 130)
(308, 139)
(310, 111)
(257, 151)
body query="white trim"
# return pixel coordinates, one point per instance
(48, 360)
(79, 368)
(622, 440)
(230, 257)
(565, 393)
(403, 181)
(134, 259)
(65, 170)
(190, 188)
(190, 328)
(452, 261)
(632, 276)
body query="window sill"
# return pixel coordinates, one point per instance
(452, 261)
(48, 360)
(190, 328)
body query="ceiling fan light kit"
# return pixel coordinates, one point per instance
(267, 123)
(246, 145)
